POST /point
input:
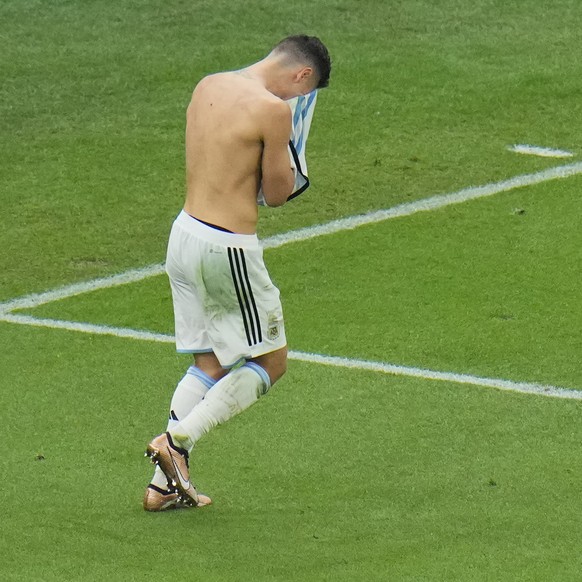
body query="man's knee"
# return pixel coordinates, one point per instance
(274, 363)
(282, 365)
(209, 364)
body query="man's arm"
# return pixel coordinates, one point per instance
(277, 175)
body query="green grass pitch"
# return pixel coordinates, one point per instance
(337, 474)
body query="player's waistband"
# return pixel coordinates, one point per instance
(213, 235)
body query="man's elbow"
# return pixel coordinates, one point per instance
(277, 195)
(274, 200)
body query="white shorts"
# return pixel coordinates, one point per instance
(224, 299)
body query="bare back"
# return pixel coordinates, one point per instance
(226, 122)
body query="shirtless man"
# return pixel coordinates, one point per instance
(227, 310)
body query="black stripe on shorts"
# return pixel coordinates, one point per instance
(244, 294)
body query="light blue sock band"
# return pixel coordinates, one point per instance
(207, 380)
(262, 373)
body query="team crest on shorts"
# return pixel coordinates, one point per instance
(273, 329)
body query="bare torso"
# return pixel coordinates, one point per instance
(224, 147)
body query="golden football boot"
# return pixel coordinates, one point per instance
(173, 461)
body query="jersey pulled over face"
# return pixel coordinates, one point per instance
(236, 141)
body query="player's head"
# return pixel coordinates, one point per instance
(308, 57)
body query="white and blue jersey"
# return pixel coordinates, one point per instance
(302, 114)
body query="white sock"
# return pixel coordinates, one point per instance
(189, 392)
(237, 391)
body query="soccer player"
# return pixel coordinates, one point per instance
(227, 311)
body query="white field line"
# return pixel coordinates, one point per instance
(303, 234)
(96, 329)
(338, 362)
(539, 389)
(432, 203)
(36, 299)
(539, 151)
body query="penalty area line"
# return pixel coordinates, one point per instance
(394, 370)
(90, 328)
(37, 299)
(303, 234)
(321, 359)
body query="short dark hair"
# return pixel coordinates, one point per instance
(311, 50)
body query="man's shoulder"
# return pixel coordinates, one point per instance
(233, 93)
(276, 110)
(238, 86)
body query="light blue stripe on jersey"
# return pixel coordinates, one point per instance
(304, 112)
(207, 380)
(309, 103)
(298, 108)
